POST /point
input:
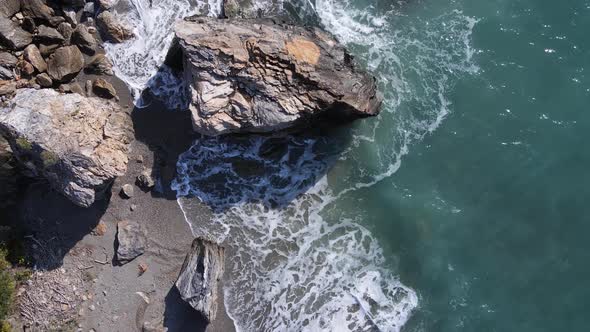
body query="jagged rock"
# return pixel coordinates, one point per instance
(78, 144)
(49, 35)
(12, 35)
(107, 4)
(127, 191)
(7, 87)
(44, 80)
(257, 76)
(65, 63)
(6, 74)
(70, 16)
(46, 50)
(104, 89)
(37, 9)
(7, 60)
(112, 29)
(85, 41)
(132, 240)
(201, 272)
(145, 180)
(33, 55)
(66, 30)
(100, 65)
(89, 8)
(9, 7)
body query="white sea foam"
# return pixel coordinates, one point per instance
(299, 261)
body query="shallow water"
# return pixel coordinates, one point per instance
(460, 208)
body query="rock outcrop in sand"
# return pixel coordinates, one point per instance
(258, 76)
(78, 144)
(201, 272)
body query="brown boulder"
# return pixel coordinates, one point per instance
(65, 63)
(112, 29)
(33, 55)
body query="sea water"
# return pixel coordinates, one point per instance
(459, 208)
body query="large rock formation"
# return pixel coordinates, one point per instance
(201, 272)
(78, 144)
(258, 76)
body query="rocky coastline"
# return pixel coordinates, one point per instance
(85, 177)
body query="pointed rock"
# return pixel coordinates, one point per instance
(132, 240)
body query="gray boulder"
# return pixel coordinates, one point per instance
(37, 9)
(9, 7)
(85, 41)
(112, 29)
(6, 74)
(12, 35)
(78, 144)
(257, 76)
(132, 240)
(49, 35)
(200, 274)
(7, 60)
(33, 55)
(65, 63)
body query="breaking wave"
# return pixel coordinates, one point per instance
(299, 261)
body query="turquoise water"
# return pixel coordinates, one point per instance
(461, 207)
(487, 217)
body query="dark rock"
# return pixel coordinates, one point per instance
(127, 191)
(33, 55)
(104, 89)
(7, 60)
(9, 7)
(49, 35)
(145, 180)
(65, 29)
(112, 29)
(44, 80)
(7, 87)
(56, 20)
(12, 35)
(201, 272)
(37, 9)
(73, 3)
(65, 63)
(85, 41)
(257, 76)
(78, 144)
(29, 24)
(132, 240)
(70, 16)
(6, 74)
(100, 65)
(46, 50)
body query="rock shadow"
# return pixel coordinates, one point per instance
(52, 225)
(179, 316)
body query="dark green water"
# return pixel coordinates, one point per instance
(487, 216)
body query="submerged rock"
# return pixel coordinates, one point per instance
(257, 76)
(201, 272)
(78, 144)
(132, 240)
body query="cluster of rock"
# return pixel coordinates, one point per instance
(248, 75)
(44, 45)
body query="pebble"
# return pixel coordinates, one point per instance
(92, 307)
(133, 207)
(127, 191)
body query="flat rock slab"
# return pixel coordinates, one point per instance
(132, 240)
(199, 277)
(78, 144)
(257, 76)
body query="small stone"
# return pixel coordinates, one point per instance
(133, 207)
(132, 240)
(104, 89)
(84, 298)
(19, 16)
(100, 229)
(26, 68)
(104, 292)
(127, 191)
(44, 80)
(145, 180)
(139, 159)
(66, 30)
(88, 87)
(92, 307)
(142, 267)
(81, 312)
